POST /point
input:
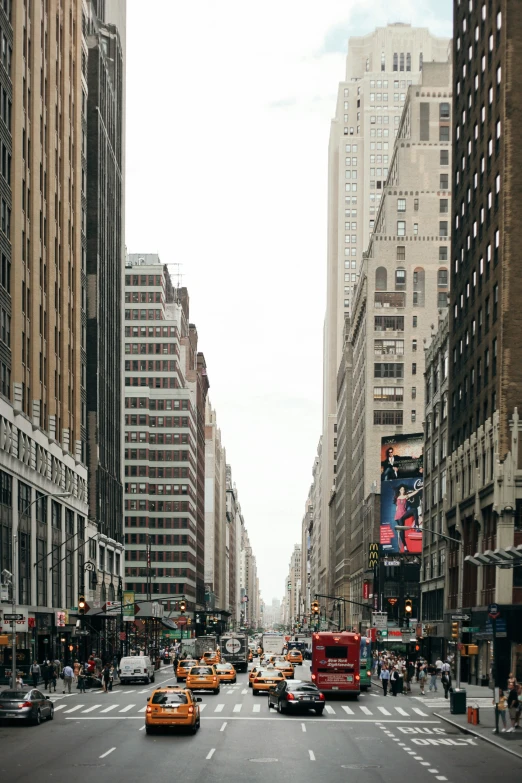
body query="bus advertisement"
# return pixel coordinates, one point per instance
(366, 663)
(336, 661)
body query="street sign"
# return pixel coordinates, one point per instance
(460, 617)
(493, 611)
(13, 617)
(470, 628)
(382, 633)
(379, 620)
(180, 621)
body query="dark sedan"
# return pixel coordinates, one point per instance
(28, 705)
(296, 695)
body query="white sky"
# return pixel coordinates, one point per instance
(228, 114)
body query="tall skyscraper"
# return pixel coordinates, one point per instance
(164, 466)
(105, 232)
(379, 69)
(215, 512)
(484, 498)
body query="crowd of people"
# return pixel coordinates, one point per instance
(71, 673)
(397, 673)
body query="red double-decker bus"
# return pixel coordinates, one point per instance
(336, 661)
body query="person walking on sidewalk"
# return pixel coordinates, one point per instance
(68, 675)
(446, 682)
(106, 677)
(81, 679)
(53, 676)
(513, 705)
(394, 681)
(35, 673)
(76, 670)
(385, 679)
(45, 673)
(432, 671)
(422, 679)
(502, 708)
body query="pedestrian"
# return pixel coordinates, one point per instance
(35, 673)
(112, 671)
(385, 679)
(82, 679)
(446, 682)
(432, 671)
(394, 681)
(67, 676)
(76, 670)
(502, 708)
(513, 704)
(410, 675)
(45, 673)
(53, 676)
(422, 679)
(438, 665)
(19, 682)
(106, 676)
(91, 664)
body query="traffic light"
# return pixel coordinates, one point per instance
(408, 607)
(183, 606)
(315, 607)
(454, 630)
(81, 604)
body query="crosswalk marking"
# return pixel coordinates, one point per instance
(348, 710)
(91, 709)
(112, 707)
(329, 709)
(145, 690)
(219, 708)
(244, 691)
(202, 707)
(125, 709)
(230, 691)
(73, 709)
(384, 710)
(401, 711)
(237, 707)
(59, 707)
(420, 712)
(143, 709)
(256, 708)
(366, 710)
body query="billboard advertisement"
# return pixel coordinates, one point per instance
(401, 493)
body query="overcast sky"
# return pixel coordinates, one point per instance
(228, 114)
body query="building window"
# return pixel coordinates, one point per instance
(418, 287)
(444, 157)
(381, 278)
(401, 253)
(444, 111)
(443, 228)
(388, 370)
(400, 279)
(444, 133)
(401, 228)
(414, 416)
(414, 368)
(443, 205)
(443, 253)
(444, 181)
(395, 61)
(442, 278)
(388, 417)
(401, 205)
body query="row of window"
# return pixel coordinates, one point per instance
(143, 315)
(152, 280)
(156, 437)
(170, 588)
(157, 421)
(159, 506)
(443, 227)
(381, 278)
(150, 366)
(155, 455)
(168, 523)
(151, 331)
(149, 296)
(154, 348)
(157, 405)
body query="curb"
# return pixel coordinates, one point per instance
(465, 730)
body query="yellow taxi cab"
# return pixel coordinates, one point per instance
(211, 657)
(285, 667)
(252, 674)
(183, 669)
(225, 672)
(171, 706)
(266, 679)
(294, 656)
(203, 678)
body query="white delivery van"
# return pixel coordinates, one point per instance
(136, 667)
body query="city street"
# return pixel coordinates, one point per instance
(372, 739)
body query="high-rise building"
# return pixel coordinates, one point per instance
(165, 395)
(105, 240)
(379, 69)
(484, 499)
(215, 512)
(43, 115)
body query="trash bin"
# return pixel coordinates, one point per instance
(473, 715)
(458, 702)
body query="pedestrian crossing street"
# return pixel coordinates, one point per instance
(246, 707)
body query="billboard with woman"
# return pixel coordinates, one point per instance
(401, 493)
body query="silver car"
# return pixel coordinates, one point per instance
(26, 704)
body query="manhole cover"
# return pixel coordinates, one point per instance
(263, 761)
(361, 766)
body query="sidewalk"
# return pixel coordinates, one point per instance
(472, 691)
(510, 742)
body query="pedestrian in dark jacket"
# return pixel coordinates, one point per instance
(53, 676)
(45, 673)
(446, 682)
(394, 681)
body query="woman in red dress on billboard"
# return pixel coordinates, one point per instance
(402, 512)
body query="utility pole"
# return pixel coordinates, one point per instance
(13, 621)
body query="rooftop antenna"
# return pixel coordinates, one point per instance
(178, 273)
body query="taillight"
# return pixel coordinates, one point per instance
(191, 710)
(25, 704)
(357, 677)
(149, 709)
(314, 677)
(321, 696)
(145, 671)
(290, 697)
(257, 680)
(214, 679)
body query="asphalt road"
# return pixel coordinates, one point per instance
(97, 736)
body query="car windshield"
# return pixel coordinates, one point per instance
(303, 686)
(16, 695)
(169, 698)
(224, 667)
(201, 670)
(188, 664)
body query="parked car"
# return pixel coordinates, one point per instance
(29, 705)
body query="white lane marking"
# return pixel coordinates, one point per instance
(202, 707)
(384, 710)
(210, 753)
(230, 691)
(245, 690)
(61, 706)
(256, 708)
(91, 709)
(441, 777)
(145, 690)
(143, 709)
(126, 691)
(329, 709)
(107, 752)
(425, 763)
(348, 710)
(219, 708)
(73, 709)
(112, 707)
(237, 708)
(125, 709)
(312, 755)
(435, 771)
(401, 711)
(142, 728)
(223, 727)
(370, 722)
(366, 711)
(418, 758)
(420, 712)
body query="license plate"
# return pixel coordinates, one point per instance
(349, 678)
(171, 708)
(137, 671)
(269, 682)
(335, 687)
